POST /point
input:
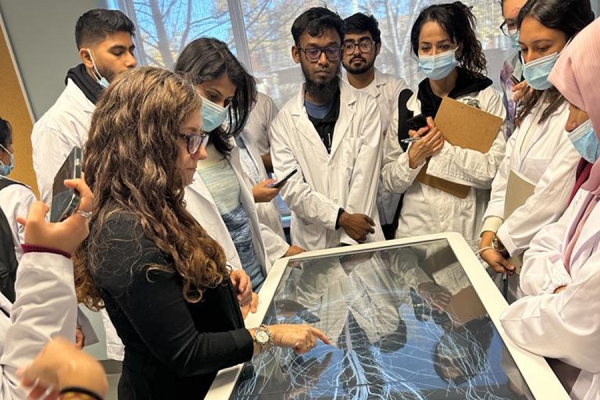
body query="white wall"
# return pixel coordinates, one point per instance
(42, 35)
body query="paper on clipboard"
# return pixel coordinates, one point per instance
(464, 126)
(518, 190)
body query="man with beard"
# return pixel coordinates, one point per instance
(362, 44)
(331, 133)
(105, 42)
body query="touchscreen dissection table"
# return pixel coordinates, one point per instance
(405, 322)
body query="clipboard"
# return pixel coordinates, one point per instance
(464, 126)
(518, 190)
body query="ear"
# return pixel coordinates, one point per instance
(377, 48)
(295, 54)
(84, 55)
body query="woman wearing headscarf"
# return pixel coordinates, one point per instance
(560, 316)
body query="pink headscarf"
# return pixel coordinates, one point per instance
(577, 76)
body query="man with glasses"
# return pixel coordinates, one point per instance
(332, 134)
(361, 46)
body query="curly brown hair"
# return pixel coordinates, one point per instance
(130, 163)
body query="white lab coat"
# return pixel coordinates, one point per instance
(427, 210)
(46, 307)
(268, 213)
(15, 200)
(548, 160)
(259, 121)
(64, 126)
(565, 326)
(347, 178)
(386, 89)
(201, 205)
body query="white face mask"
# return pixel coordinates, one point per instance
(438, 66)
(6, 169)
(585, 141)
(213, 115)
(102, 81)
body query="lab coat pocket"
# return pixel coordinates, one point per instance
(534, 168)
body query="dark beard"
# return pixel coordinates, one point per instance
(323, 93)
(361, 70)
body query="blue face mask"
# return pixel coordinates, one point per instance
(438, 66)
(514, 39)
(213, 115)
(536, 72)
(6, 169)
(585, 141)
(99, 78)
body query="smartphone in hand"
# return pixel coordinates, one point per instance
(417, 122)
(66, 200)
(281, 182)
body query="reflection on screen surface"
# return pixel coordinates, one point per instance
(405, 323)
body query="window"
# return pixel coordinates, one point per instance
(258, 32)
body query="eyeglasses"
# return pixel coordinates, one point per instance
(194, 142)
(508, 26)
(364, 45)
(313, 54)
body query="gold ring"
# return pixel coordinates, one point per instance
(85, 214)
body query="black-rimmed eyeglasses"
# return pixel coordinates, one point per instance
(508, 26)
(313, 54)
(365, 45)
(194, 142)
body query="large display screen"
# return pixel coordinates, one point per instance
(405, 323)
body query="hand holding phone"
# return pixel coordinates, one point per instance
(415, 123)
(64, 199)
(282, 182)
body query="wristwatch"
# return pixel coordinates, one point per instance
(497, 245)
(262, 336)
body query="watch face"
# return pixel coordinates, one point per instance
(262, 337)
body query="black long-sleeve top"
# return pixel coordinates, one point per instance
(172, 347)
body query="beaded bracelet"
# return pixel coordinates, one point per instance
(79, 393)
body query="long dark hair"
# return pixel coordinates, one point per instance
(568, 16)
(205, 59)
(459, 22)
(130, 163)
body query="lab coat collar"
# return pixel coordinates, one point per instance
(76, 96)
(380, 81)
(307, 129)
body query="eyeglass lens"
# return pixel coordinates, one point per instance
(364, 45)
